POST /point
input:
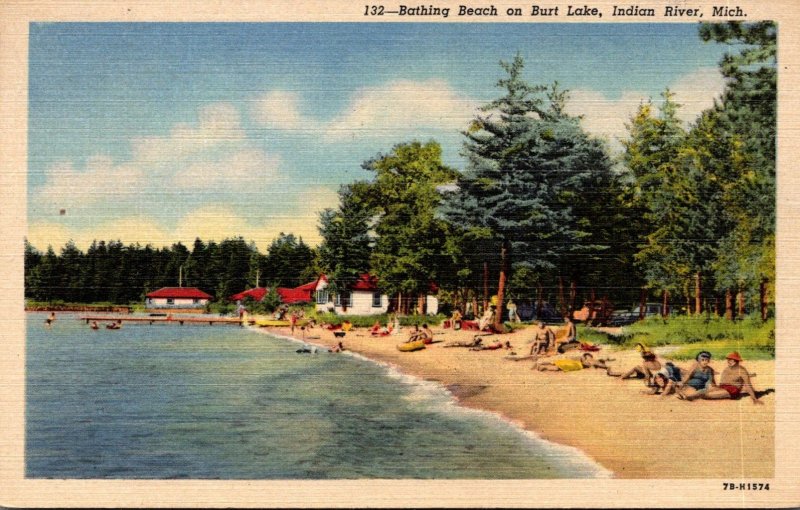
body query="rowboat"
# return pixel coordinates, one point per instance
(411, 346)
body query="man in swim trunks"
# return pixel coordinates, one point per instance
(733, 382)
(542, 339)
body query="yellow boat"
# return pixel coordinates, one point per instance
(411, 346)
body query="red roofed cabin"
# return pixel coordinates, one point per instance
(297, 295)
(177, 297)
(362, 298)
(256, 294)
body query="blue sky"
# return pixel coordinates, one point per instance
(163, 132)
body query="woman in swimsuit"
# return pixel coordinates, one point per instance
(698, 378)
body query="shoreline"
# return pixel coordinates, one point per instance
(456, 392)
(606, 419)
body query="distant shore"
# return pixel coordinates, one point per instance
(631, 434)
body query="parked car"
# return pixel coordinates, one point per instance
(626, 317)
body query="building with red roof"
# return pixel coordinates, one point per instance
(256, 294)
(177, 297)
(363, 297)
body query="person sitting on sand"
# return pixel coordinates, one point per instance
(338, 348)
(543, 337)
(734, 381)
(376, 328)
(698, 379)
(650, 365)
(455, 320)
(426, 335)
(416, 334)
(486, 319)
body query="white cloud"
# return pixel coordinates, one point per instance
(280, 110)
(100, 180)
(240, 171)
(402, 106)
(696, 92)
(218, 124)
(605, 117)
(398, 107)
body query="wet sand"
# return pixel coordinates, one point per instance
(632, 434)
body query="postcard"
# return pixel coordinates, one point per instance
(436, 254)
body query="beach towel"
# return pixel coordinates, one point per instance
(568, 365)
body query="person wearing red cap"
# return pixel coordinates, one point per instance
(733, 382)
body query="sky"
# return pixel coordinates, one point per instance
(163, 132)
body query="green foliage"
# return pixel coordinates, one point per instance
(403, 197)
(346, 240)
(704, 332)
(528, 166)
(367, 321)
(287, 261)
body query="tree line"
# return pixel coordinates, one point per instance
(117, 273)
(541, 211)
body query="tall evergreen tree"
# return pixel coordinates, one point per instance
(528, 162)
(346, 239)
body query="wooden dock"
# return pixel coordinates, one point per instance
(167, 320)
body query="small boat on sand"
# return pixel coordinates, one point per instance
(411, 346)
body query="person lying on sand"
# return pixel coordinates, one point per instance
(733, 383)
(650, 365)
(571, 364)
(665, 381)
(476, 341)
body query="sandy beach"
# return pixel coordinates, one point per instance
(631, 434)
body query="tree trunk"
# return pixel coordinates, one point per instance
(665, 303)
(763, 299)
(501, 285)
(698, 303)
(539, 300)
(590, 320)
(728, 304)
(740, 302)
(573, 293)
(475, 305)
(642, 303)
(421, 302)
(485, 285)
(562, 303)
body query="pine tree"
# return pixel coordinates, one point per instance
(528, 163)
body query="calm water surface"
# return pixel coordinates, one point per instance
(206, 402)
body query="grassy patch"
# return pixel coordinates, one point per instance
(750, 336)
(366, 321)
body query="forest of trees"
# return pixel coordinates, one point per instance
(541, 211)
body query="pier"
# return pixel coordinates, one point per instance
(168, 319)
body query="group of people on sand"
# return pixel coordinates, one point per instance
(696, 382)
(425, 334)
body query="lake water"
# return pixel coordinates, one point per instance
(165, 401)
